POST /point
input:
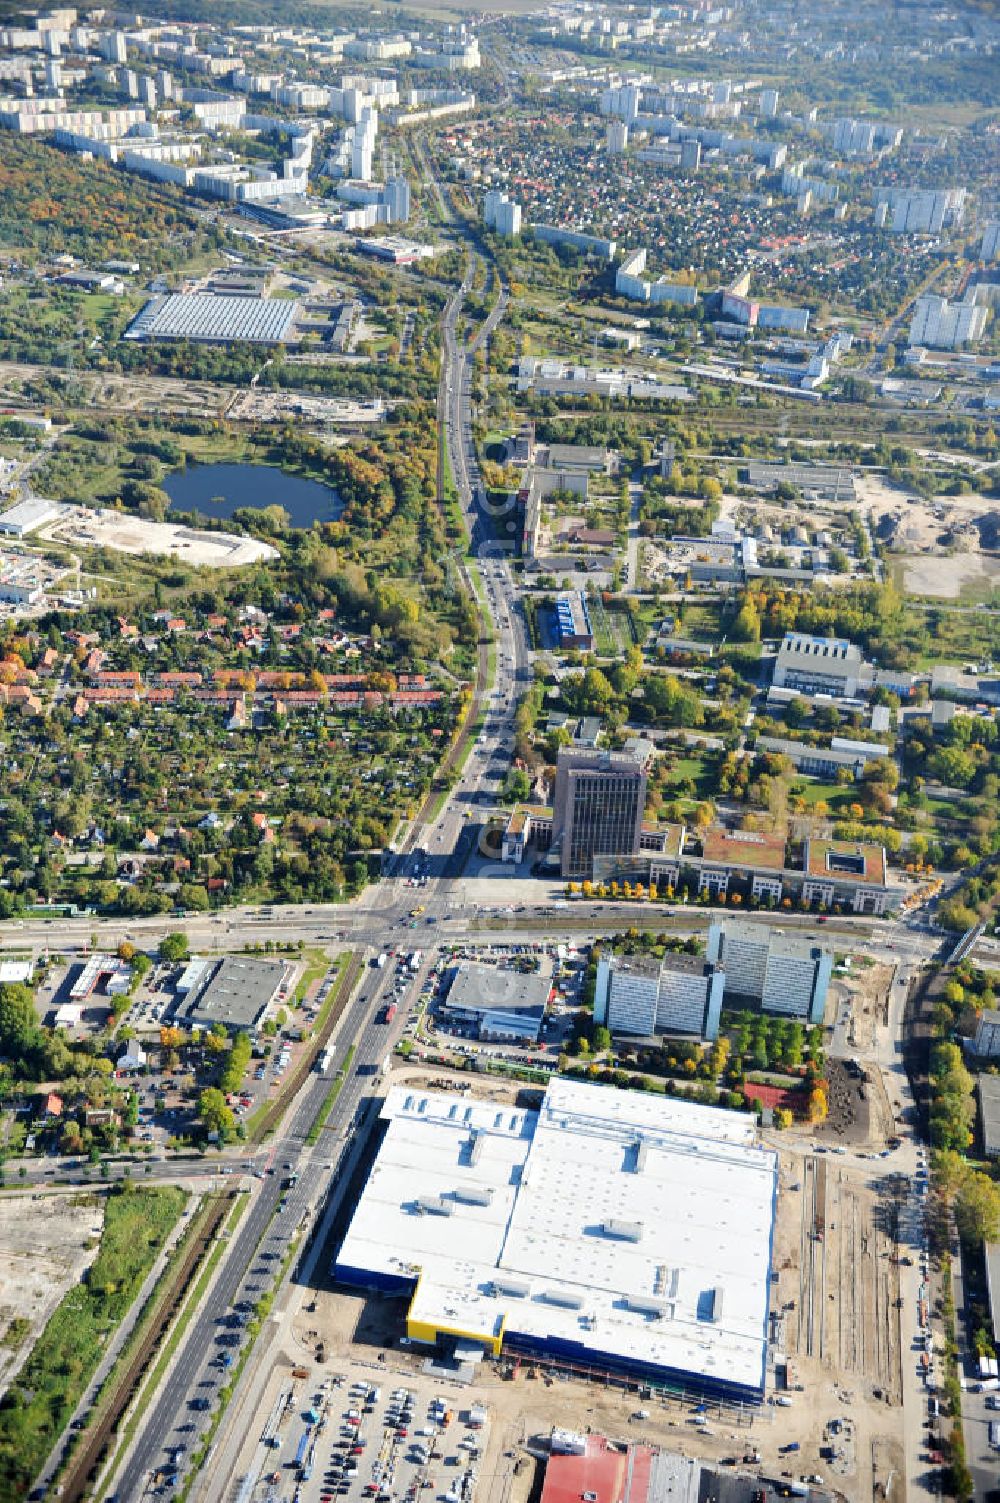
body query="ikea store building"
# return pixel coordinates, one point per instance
(614, 1231)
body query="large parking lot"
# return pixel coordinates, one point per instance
(364, 1435)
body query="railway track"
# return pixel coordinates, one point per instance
(86, 1462)
(345, 986)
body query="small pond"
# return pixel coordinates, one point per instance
(217, 490)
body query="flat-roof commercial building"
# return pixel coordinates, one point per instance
(102, 973)
(28, 516)
(236, 992)
(605, 1471)
(824, 483)
(208, 319)
(988, 1090)
(783, 973)
(573, 623)
(502, 1004)
(611, 1230)
(824, 761)
(641, 996)
(819, 665)
(987, 1043)
(597, 807)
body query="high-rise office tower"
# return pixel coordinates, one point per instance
(597, 809)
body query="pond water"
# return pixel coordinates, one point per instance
(217, 490)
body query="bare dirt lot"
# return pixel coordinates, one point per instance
(949, 575)
(939, 540)
(132, 393)
(46, 1244)
(80, 527)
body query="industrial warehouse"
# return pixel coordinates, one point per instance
(208, 319)
(613, 1231)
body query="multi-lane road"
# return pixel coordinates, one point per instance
(278, 1210)
(436, 854)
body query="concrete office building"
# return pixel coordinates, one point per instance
(555, 1235)
(640, 996)
(848, 873)
(987, 1042)
(597, 808)
(784, 973)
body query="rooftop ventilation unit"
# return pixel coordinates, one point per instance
(433, 1205)
(563, 1298)
(622, 1231)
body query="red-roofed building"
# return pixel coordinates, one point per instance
(605, 1473)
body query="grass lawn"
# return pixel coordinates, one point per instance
(700, 623)
(701, 771)
(605, 640)
(815, 792)
(39, 1403)
(330, 1100)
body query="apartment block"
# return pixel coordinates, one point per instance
(938, 324)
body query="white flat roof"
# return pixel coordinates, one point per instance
(201, 315)
(630, 1225)
(28, 515)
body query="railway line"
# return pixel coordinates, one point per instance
(86, 1462)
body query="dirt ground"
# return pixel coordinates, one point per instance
(938, 540)
(133, 393)
(946, 576)
(46, 1244)
(79, 527)
(837, 1317)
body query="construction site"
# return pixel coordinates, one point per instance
(833, 1400)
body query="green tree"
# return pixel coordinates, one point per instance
(174, 946)
(746, 627)
(215, 1114)
(977, 1209)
